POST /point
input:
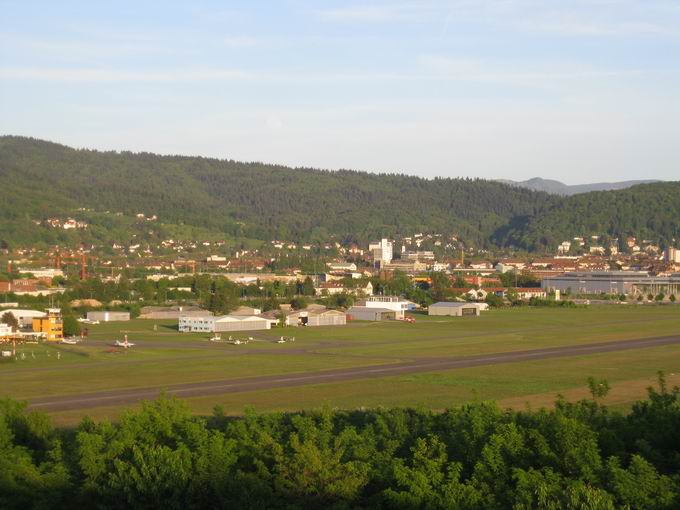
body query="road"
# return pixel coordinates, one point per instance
(208, 388)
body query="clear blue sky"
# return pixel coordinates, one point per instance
(579, 91)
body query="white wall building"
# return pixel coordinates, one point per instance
(47, 272)
(672, 255)
(454, 309)
(25, 317)
(393, 303)
(106, 316)
(211, 324)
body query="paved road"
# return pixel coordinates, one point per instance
(202, 389)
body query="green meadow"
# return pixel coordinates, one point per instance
(162, 357)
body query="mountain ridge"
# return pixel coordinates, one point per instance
(559, 188)
(265, 202)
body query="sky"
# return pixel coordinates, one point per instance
(574, 90)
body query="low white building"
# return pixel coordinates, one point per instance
(211, 324)
(393, 303)
(371, 313)
(314, 317)
(341, 266)
(106, 316)
(25, 317)
(454, 309)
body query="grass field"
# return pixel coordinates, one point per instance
(163, 357)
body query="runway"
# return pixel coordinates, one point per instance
(219, 387)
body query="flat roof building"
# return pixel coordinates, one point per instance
(370, 313)
(106, 316)
(613, 282)
(211, 324)
(393, 303)
(454, 309)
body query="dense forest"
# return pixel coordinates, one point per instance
(260, 201)
(577, 456)
(650, 211)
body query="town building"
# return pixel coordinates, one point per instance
(531, 292)
(330, 288)
(42, 272)
(672, 255)
(341, 266)
(382, 251)
(407, 266)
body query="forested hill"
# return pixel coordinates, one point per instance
(252, 199)
(649, 211)
(42, 179)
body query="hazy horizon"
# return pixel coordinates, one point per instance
(495, 89)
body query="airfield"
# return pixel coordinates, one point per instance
(518, 357)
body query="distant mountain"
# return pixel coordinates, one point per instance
(559, 188)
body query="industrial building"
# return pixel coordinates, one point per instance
(312, 317)
(25, 317)
(454, 309)
(171, 312)
(211, 324)
(105, 316)
(632, 283)
(371, 313)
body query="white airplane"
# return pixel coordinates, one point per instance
(124, 343)
(238, 341)
(70, 341)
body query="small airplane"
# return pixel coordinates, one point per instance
(285, 339)
(410, 320)
(125, 344)
(217, 338)
(70, 341)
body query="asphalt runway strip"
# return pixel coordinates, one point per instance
(207, 388)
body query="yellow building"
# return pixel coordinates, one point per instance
(51, 326)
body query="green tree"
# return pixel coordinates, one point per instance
(9, 319)
(71, 325)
